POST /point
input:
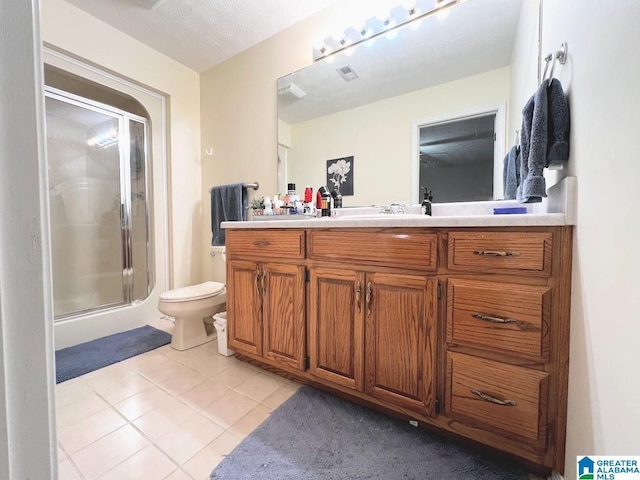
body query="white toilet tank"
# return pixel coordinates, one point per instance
(217, 268)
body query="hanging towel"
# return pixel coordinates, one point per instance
(228, 204)
(559, 125)
(534, 148)
(511, 173)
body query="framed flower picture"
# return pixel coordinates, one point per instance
(340, 175)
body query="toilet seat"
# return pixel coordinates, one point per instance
(193, 292)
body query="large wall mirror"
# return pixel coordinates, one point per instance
(372, 105)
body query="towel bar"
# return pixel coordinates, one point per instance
(254, 185)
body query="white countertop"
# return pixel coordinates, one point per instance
(556, 210)
(400, 220)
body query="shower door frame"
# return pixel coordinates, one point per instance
(124, 152)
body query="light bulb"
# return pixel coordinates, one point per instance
(365, 32)
(392, 33)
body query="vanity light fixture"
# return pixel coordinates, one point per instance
(381, 25)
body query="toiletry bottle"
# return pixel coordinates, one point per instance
(426, 202)
(326, 201)
(337, 199)
(318, 202)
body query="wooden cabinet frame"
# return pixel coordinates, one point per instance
(407, 348)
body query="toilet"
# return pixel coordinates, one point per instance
(192, 307)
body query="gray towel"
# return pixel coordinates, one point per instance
(511, 173)
(228, 204)
(534, 148)
(559, 125)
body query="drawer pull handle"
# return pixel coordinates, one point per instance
(368, 296)
(262, 243)
(358, 294)
(490, 318)
(490, 399)
(496, 253)
(258, 282)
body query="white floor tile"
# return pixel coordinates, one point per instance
(203, 463)
(90, 429)
(164, 418)
(103, 455)
(76, 411)
(187, 439)
(66, 471)
(143, 402)
(148, 464)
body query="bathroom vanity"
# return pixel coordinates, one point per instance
(458, 323)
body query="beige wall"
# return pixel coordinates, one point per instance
(70, 29)
(381, 142)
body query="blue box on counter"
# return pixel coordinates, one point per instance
(509, 210)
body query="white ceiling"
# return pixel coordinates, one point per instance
(201, 33)
(475, 37)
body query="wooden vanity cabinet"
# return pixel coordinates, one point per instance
(336, 326)
(375, 333)
(463, 329)
(372, 321)
(266, 299)
(507, 334)
(400, 341)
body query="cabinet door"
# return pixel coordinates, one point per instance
(283, 310)
(243, 306)
(336, 326)
(400, 340)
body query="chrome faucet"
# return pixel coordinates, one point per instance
(391, 209)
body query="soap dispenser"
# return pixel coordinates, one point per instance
(426, 202)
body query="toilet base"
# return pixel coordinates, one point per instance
(189, 332)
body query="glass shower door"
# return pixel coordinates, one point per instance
(91, 168)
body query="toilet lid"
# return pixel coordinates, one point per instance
(193, 292)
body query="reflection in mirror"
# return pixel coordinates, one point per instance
(484, 53)
(457, 159)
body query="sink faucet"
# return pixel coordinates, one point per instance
(393, 208)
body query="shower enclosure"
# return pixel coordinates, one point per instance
(99, 212)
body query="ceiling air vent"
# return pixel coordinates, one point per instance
(291, 91)
(347, 72)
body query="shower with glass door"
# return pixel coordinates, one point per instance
(99, 194)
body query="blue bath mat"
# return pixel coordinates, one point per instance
(71, 362)
(318, 436)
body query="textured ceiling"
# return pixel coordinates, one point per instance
(475, 37)
(201, 33)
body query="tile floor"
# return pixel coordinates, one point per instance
(161, 415)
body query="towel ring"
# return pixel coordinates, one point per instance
(560, 56)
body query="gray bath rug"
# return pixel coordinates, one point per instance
(317, 436)
(86, 357)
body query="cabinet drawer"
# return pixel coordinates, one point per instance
(411, 250)
(506, 318)
(506, 399)
(501, 252)
(271, 243)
